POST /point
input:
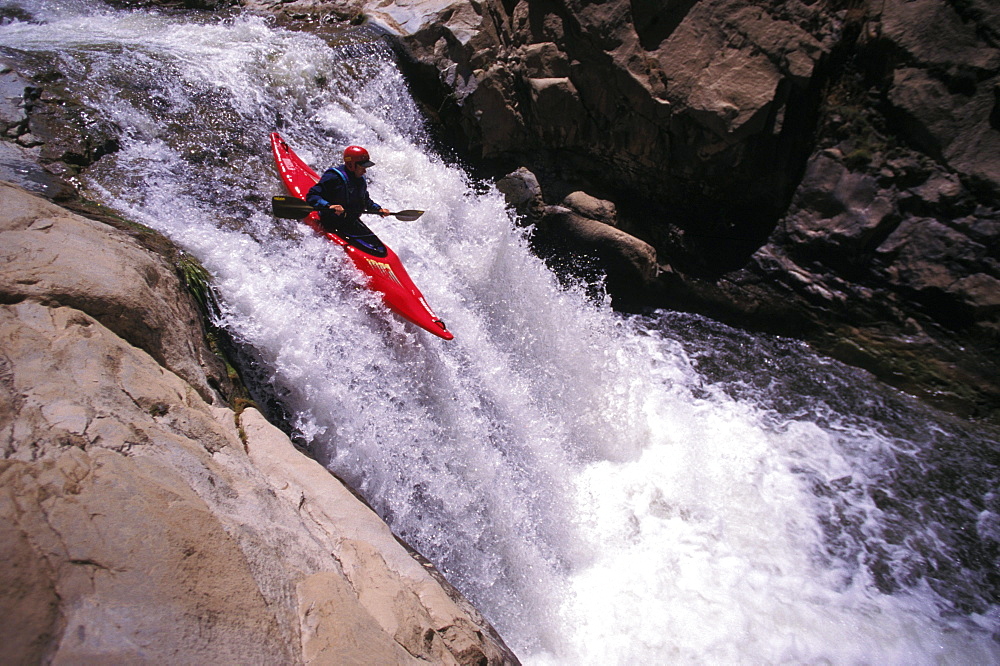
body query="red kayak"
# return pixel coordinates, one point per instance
(385, 272)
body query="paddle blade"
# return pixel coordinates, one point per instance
(408, 215)
(290, 208)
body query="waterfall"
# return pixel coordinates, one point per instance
(606, 489)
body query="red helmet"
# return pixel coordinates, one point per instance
(357, 155)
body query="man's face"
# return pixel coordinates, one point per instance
(356, 169)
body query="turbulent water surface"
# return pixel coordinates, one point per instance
(608, 490)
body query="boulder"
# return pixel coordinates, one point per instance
(53, 255)
(628, 262)
(592, 207)
(140, 522)
(522, 192)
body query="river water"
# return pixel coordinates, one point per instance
(606, 489)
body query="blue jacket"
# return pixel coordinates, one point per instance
(339, 186)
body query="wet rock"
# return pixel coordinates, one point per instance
(939, 265)
(628, 262)
(840, 212)
(592, 207)
(56, 133)
(582, 231)
(12, 101)
(522, 191)
(20, 166)
(883, 252)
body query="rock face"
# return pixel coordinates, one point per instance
(692, 103)
(888, 248)
(143, 520)
(826, 170)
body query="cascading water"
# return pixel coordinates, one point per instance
(605, 489)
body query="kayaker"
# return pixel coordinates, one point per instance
(341, 196)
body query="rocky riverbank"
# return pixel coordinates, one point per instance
(827, 170)
(144, 520)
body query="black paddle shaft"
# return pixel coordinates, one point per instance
(293, 208)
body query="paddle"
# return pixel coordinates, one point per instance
(293, 208)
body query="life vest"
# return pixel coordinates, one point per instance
(357, 192)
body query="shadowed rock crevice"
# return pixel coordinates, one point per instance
(655, 21)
